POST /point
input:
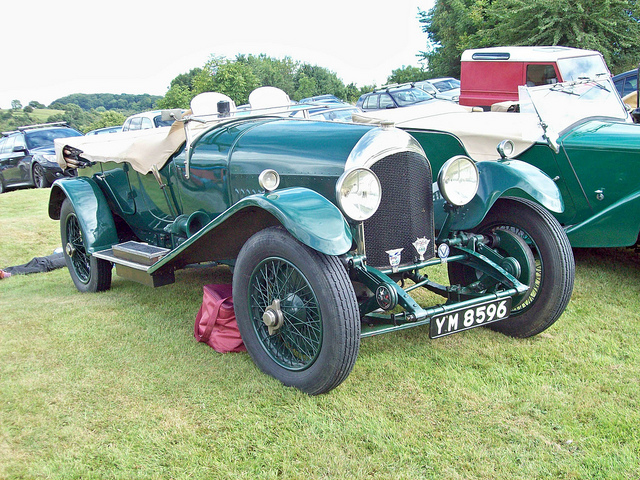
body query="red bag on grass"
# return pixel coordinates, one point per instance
(216, 321)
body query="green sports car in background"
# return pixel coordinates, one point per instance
(579, 133)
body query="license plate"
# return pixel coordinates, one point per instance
(469, 317)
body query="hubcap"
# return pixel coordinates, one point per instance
(518, 265)
(272, 317)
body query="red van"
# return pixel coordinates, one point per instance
(492, 75)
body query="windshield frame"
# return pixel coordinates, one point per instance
(562, 105)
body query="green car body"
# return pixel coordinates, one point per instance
(313, 255)
(596, 168)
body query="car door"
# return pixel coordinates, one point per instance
(12, 162)
(3, 161)
(206, 189)
(604, 157)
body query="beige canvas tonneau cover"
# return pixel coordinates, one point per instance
(142, 149)
(479, 132)
(146, 149)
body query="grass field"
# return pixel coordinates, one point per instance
(113, 386)
(40, 115)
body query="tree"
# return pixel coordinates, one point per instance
(352, 92)
(239, 77)
(272, 72)
(307, 87)
(228, 77)
(407, 74)
(178, 96)
(323, 80)
(74, 115)
(181, 90)
(609, 26)
(108, 118)
(126, 103)
(452, 26)
(449, 25)
(16, 105)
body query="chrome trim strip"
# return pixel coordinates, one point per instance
(380, 143)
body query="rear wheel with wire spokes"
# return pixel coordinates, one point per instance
(89, 274)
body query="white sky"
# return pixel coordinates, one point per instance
(56, 48)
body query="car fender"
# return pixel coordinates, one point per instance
(616, 226)
(512, 177)
(92, 210)
(308, 216)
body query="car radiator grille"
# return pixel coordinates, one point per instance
(405, 213)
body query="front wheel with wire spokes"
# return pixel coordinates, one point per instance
(89, 274)
(551, 284)
(296, 311)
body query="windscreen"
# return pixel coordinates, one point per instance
(576, 68)
(44, 138)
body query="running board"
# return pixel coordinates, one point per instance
(133, 261)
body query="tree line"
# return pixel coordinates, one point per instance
(238, 77)
(611, 27)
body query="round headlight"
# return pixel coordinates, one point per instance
(506, 148)
(269, 180)
(458, 180)
(358, 192)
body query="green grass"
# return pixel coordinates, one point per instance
(39, 115)
(113, 386)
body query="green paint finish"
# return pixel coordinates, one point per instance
(92, 210)
(596, 172)
(498, 179)
(307, 215)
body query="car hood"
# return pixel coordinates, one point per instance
(46, 150)
(449, 94)
(399, 115)
(602, 135)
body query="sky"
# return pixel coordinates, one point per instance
(56, 48)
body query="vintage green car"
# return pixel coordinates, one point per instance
(327, 227)
(579, 133)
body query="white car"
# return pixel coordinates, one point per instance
(445, 88)
(145, 120)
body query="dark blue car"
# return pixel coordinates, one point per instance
(27, 155)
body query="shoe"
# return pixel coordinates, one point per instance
(4, 274)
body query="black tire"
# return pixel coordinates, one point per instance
(554, 272)
(2, 187)
(89, 274)
(39, 177)
(317, 344)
